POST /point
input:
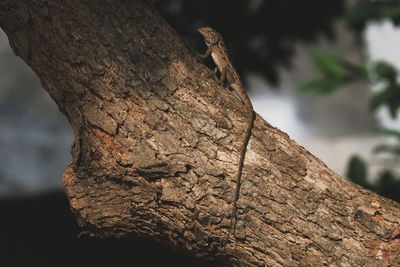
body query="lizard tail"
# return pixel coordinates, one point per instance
(250, 121)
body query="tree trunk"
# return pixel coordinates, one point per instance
(157, 143)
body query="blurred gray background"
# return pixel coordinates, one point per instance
(35, 137)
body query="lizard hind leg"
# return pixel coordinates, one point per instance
(223, 80)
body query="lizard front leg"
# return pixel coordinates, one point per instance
(206, 54)
(222, 76)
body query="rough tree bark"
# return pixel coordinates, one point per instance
(157, 142)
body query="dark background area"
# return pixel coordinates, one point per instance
(41, 231)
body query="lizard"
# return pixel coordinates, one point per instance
(217, 49)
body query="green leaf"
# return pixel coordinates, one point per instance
(388, 185)
(389, 96)
(394, 103)
(391, 132)
(328, 65)
(381, 148)
(393, 111)
(357, 171)
(322, 86)
(384, 71)
(377, 10)
(336, 72)
(384, 148)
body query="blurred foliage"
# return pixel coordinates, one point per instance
(386, 185)
(337, 72)
(377, 11)
(389, 95)
(357, 171)
(392, 149)
(260, 35)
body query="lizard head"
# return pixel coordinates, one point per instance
(210, 35)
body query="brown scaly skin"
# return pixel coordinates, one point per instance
(219, 54)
